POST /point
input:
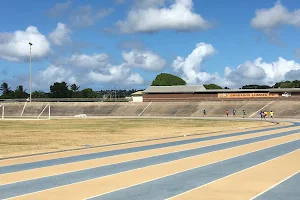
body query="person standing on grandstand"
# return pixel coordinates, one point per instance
(244, 113)
(233, 113)
(227, 112)
(204, 113)
(271, 114)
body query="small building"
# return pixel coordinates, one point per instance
(137, 96)
(200, 93)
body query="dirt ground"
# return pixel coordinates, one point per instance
(28, 137)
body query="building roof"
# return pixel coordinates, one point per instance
(202, 89)
(175, 89)
(256, 90)
(138, 93)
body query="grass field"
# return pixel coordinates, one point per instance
(28, 137)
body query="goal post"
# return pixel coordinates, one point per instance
(2, 111)
(48, 108)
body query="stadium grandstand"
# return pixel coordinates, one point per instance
(199, 93)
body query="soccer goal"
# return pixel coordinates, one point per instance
(2, 111)
(12, 112)
(46, 112)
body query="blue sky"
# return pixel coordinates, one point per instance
(126, 43)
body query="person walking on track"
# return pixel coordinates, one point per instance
(265, 115)
(272, 114)
(244, 113)
(261, 115)
(233, 113)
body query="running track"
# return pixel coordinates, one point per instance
(261, 163)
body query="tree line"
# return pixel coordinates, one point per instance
(282, 84)
(62, 90)
(165, 79)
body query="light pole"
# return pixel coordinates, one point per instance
(30, 44)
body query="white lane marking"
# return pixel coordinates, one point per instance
(152, 166)
(197, 136)
(215, 133)
(232, 174)
(274, 185)
(181, 171)
(145, 109)
(187, 149)
(146, 167)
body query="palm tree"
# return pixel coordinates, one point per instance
(20, 88)
(75, 88)
(4, 88)
(20, 92)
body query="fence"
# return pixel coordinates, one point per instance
(68, 100)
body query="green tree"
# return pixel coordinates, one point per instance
(75, 88)
(165, 79)
(39, 94)
(75, 91)
(5, 89)
(88, 93)
(256, 87)
(59, 90)
(20, 92)
(288, 84)
(212, 87)
(7, 93)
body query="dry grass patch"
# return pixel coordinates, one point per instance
(27, 137)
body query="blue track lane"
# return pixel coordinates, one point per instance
(20, 188)
(72, 159)
(176, 184)
(288, 190)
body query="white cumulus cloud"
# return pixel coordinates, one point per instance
(95, 61)
(150, 3)
(144, 59)
(259, 72)
(59, 8)
(95, 68)
(266, 19)
(249, 72)
(15, 46)
(60, 35)
(120, 74)
(86, 16)
(191, 66)
(54, 73)
(152, 17)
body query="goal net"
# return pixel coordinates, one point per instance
(25, 112)
(2, 111)
(46, 113)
